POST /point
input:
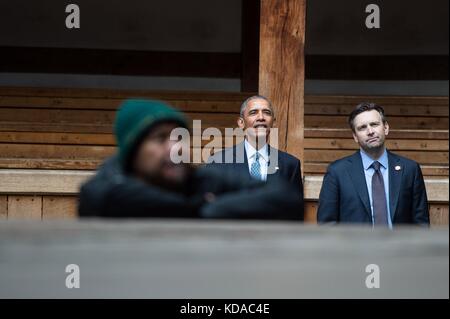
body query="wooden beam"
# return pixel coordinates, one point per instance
(437, 189)
(282, 68)
(67, 182)
(120, 62)
(35, 181)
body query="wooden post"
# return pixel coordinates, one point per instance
(282, 68)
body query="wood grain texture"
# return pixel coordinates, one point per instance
(429, 158)
(25, 207)
(282, 68)
(439, 214)
(59, 207)
(3, 207)
(427, 170)
(49, 163)
(430, 134)
(437, 189)
(35, 181)
(310, 210)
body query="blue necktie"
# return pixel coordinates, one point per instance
(378, 196)
(255, 169)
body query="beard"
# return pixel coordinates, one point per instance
(174, 181)
(374, 146)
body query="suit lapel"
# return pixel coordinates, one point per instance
(279, 166)
(356, 172)
(241, 166)
(395, 179)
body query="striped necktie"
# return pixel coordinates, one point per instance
(255, 169)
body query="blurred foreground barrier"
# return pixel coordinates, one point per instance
(217, 259)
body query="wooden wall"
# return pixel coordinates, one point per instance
(418, 130)
(52, 139)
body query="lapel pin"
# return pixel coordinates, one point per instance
(277, 168)
(397, 168)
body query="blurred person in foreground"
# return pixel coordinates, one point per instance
(141, 180)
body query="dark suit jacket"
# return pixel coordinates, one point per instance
(288, 166)
(113, 193)
(344, 196)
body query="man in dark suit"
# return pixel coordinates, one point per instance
(143, 180)
(374, 185)
(254, 157)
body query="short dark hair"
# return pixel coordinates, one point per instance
(364, 107)
(254, 97)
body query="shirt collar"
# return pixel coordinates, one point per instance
(367, 160)
(251, 151)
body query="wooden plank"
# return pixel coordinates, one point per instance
(382, 100)
(24, 207)
(397, 122)
(59, 207)
(55, 127)
(437, 189)
(429, 157)
(430, 134)
(400, 137)
(227, 102)
(57, 138)
(113, 104)
(56, 151)
(282, 68)
(439, 214)
(35, 181)
(310, 215)
(407, 145)
(49, 163)
(208, 95)
(121, 94)
(87, 121)
(427, 170)
(3, 207)
(58, 119)
(390, 110)
(68, 182)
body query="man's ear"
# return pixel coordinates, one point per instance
(386, 128)
(355, 138)
(240, 123)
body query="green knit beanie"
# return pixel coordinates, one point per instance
(135, 117)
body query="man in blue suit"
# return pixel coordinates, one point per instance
(255, 158)
(373, 186)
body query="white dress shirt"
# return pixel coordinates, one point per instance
(263, 158)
